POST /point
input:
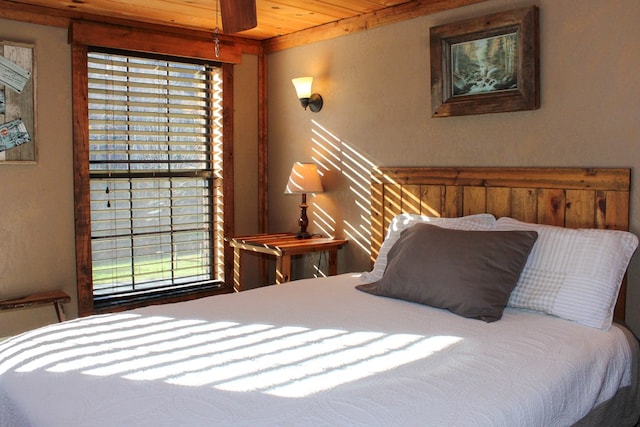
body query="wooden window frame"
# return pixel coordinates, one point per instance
(82, 36)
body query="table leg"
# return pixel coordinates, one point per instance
(237, 279)
(60, 311)
(283, 269)
(333, 262)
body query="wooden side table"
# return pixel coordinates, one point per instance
(283, 246)
(57, 298)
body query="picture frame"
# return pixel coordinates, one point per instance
(17, 103)
(484, 65)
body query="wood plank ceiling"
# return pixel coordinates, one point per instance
(275, 17)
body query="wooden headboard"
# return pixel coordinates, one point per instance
(566, 197)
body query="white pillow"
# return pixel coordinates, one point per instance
(572, 273)
(481, 222)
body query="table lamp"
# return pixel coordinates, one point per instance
(304, 179)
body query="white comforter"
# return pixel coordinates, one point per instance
(311, 352)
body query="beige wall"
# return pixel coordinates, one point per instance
(376, 88)
(37, 248)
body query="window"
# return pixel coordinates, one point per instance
(155, 168)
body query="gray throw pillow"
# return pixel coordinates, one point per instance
(470, 273)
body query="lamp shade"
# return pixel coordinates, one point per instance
(304, 179)
(303, 86)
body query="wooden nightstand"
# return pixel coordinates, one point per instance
(283, 246)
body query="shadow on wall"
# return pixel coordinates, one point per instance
(333, 155)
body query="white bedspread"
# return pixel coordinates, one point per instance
(311, 352)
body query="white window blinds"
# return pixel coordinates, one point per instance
(155, 155)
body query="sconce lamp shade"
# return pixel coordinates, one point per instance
(303, 86)
(304, 178)
(307, 99)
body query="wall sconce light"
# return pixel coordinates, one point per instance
(304, 178)
(307, 99)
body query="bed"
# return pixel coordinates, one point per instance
(323, 352)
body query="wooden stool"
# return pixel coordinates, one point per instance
(57, 298)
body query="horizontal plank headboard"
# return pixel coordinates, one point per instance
(566, 197)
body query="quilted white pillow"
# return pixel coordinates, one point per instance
(572, 273)
(480, 222)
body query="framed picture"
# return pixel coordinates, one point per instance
(486, 65)
(17, 101)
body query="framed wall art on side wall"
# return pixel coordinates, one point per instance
(488, 64)
(17, 103)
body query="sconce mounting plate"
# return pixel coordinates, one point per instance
(315, 102)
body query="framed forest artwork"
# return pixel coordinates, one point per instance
(486, 65)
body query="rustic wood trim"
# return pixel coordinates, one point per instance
(81, 191)
(263, 144)
(567, 197)
(228, 168)
(34, 14)
(389, 15)
(142, 40)
(563, 178)
(263, 157)
(164, 300)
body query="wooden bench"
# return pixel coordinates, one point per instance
(57, 298)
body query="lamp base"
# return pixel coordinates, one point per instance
(303, 235)
(303, 221)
